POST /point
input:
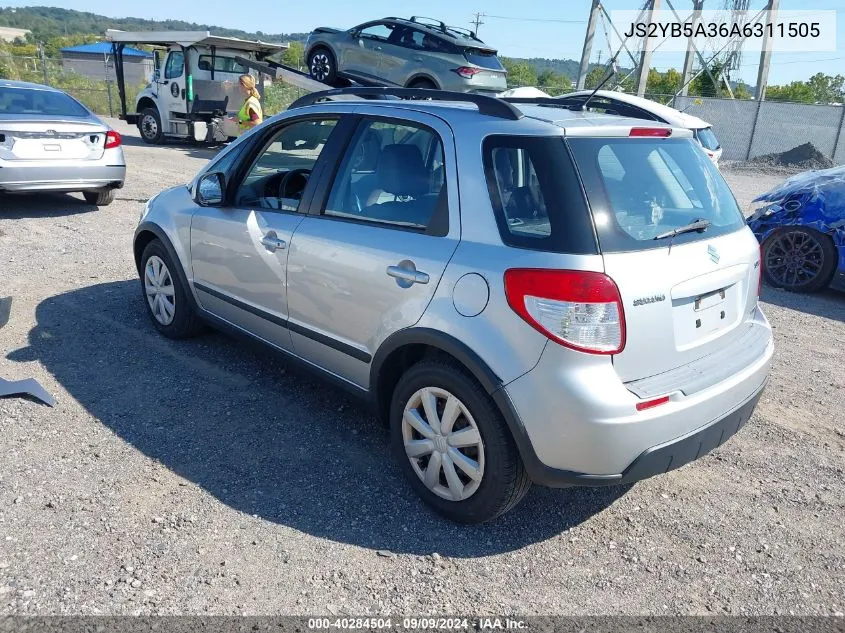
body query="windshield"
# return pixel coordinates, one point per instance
(39, 102)
(483, 58)
(640, 188)
(707, 139)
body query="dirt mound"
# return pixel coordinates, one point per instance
(805, 156)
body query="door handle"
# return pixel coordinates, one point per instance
(408, 274)
(378, 48)
(417, 58)
(273, 243)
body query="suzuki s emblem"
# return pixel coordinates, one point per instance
(714, 254)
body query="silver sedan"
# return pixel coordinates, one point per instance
(51, 142)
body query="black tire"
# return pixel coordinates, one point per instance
(504, 481)
(149, 125)
(101, 197)
(798, 259)
(186, 323)
(322, 66)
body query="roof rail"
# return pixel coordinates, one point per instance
(491, 106)
(546, 101)
(438, 23)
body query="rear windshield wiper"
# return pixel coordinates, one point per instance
(695, 225)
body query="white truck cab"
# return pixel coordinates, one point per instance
(195, 83)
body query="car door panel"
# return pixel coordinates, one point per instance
(342, 300)
(239, 252)
(236, 276)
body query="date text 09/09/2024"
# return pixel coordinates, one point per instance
(416, 624)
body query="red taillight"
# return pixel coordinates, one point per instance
(650, 131)
(467, 72)
(648, 404)
(581, 310)
(112, 139)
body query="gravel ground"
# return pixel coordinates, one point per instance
(205, 477)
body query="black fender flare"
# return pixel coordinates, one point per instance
(158, 232)
(437, 340)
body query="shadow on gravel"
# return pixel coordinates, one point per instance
(829, 304)
(261, 438)
(42, 205)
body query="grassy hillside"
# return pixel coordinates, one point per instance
(47, 22)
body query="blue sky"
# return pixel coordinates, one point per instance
(535, 28)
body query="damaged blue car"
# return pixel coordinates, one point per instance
(801, 227)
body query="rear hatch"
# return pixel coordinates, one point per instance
(489, 71)
(685, 294)
(50, 140)
(38, 124)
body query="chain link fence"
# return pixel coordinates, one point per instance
(747, 129)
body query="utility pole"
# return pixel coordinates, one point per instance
(645, 57)
(43, 60)
(697, 5)
(587, 52)
(765, 55)
(477, 21)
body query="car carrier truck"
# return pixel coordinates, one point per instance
(192, 94)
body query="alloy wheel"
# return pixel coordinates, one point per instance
(320, 66)
(443, 444)
(794, 259)
(158, 286)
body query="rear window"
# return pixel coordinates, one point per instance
(640, 188)
(707, 139)
(536, 195)
(39, 102)
(483, 58)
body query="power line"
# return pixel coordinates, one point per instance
(520, 19)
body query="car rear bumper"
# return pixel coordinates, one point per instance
(73, 177)
(579, 425)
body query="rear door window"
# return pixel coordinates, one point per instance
(642, 188)
(392, 175)
(536, 196)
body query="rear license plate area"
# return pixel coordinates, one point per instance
(709, 300)
(52, 147)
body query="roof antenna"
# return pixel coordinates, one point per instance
(613, 71)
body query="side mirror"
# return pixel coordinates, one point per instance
(210, 190)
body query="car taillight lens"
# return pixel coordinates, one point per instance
(112, 139)
(650, 132)
(579, 309)
(466, 72)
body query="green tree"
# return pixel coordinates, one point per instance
(519, 73)
(294, 54)
(663, 84)
(553, 82)
(742, 92)
(596, 76)
(827, 89)
(703, 86)
(797, 91)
